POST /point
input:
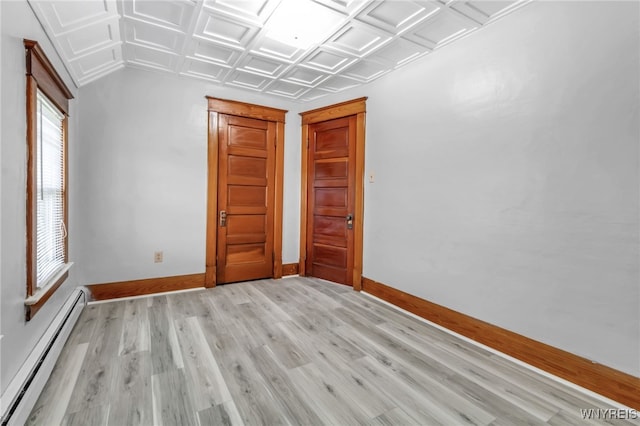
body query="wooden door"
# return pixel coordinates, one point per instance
(246, 169)
(331, 198)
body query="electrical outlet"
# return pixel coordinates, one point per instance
(157, 257)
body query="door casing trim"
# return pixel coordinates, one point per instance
(217, 106)
(358, 108)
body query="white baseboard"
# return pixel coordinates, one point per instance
(18, 399)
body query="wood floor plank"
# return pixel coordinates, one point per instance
(131, 402)
(165, 352)
(357, 386)
(92, 416)
(96, 376)
(516, 395)
(135, 331)
(331, 402)
(54, 400)
(281, 387)
(250, 393)
(394, 417)
(201, 369)
(292, 351)
(172, 399)
(285, 349)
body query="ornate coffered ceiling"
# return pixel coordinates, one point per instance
(253, 44)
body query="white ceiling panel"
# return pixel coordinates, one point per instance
(95, 61)
(157, 37)
(216, 53)
(442, 28)
(266, 46)
(256, 11)
(174, 14)
(289, 90)
(366, 70)
(327, 60)
(358, 39)
(90, 38)
(154, 58)
(264, 66)
(248, 80)
(396, 17)
(338, 83)
(399, 52)
(66, 16)
(299, 49)
(305, 77)
(483, 11)
(206, 70)
(225, 30)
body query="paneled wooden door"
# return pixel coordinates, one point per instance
(245, 184)
(246, 170)
(331, 192)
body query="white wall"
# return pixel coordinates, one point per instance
(19, 336)
(142, 178)
(507, 183)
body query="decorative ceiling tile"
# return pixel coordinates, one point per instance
(348, 7)
(206, 70)
(305, 77)
(256, 11)
(248, 80)
(338, 83)
(264, 66)
(62, 17)
(328, 61)
(175, 14)
(266, 46)
(441, 29)
(358, 39)
(90, 38)
(485, 10)
(145, 34)
(213, 52)
(95, 62)
(397, 16)
(225, 30)
(312, 95)
(259, 45)
(399, 52)
(153, 58)
(366, 70)
(289, 90)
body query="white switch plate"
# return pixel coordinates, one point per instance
(372, 177)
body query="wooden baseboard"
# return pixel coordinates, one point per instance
(289, 269)
(147, 286)
(598, 378)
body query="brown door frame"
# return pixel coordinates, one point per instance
(358, 108)
(216, 107)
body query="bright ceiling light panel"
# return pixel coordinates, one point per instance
(301, 23)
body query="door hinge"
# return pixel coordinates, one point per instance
(307, 142)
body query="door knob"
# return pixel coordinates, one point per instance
(223, 218)
(349, 221)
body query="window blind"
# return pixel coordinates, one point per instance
(51, 229)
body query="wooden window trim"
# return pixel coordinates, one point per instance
(218, 106)
(42, 76)
(358, 108)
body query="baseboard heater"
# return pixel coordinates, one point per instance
(22, 393)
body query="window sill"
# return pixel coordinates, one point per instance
(34, 302)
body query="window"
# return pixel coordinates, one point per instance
(47, 112)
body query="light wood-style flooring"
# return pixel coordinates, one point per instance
(294, 351)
